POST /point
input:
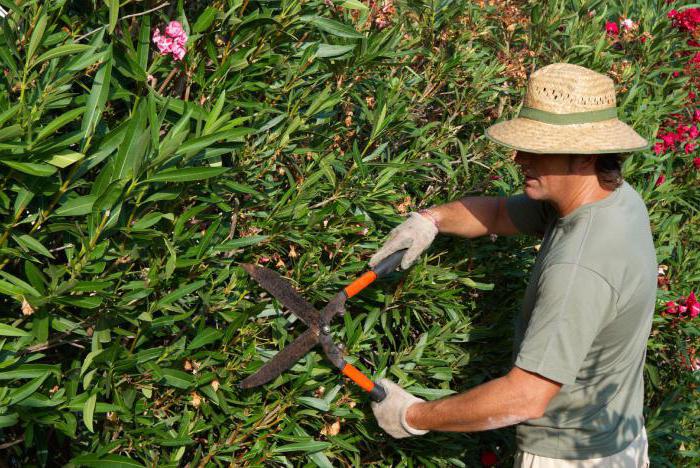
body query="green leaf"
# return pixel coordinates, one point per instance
(37, 35)
(84, 302)
(113, 14)
(98, 97)
(30, 371)
(8, 420)
(65, 158)
(197, 144)
(333, 27)
(107, 461)
(89, 411)
(353, 5)
(240, 242)
(20, 393)
(39, 170)
(58, 122)
(205, 19)
(178, 379)
(180, 292)
(187, 174)
(30, 243)
(309, 446)
(333, 50)
(205, 337)
(7, 330)
(76, 206)
(60, 51)
(11, 132)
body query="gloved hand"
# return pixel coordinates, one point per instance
(391, 411)
(416, 234)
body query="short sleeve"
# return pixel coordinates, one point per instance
(573, 304)
(530, 216)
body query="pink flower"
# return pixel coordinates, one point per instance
(696, 115)
(178, 51)
(689, 148)
(660, 180)
(693, 132)
(164, 45)
(627, 24)
(611, 28)
(174, 29)
(173, 41)
(696, 163)
(659, 148)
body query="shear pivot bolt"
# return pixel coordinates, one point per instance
(325, 329)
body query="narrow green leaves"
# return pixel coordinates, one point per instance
(97, 98)
(187, 174)
(113, 14)
(334, 27)
(60, 51)
(89, 411)
(37, 35)
(7, 330)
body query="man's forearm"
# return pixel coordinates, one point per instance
(494, 404)
(473, 217)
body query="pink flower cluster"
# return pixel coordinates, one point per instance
(626, 24)
(173, 41)
(685, 307)
(687, 20)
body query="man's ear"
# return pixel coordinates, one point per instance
(582, 163)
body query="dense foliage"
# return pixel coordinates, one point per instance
(141, 162)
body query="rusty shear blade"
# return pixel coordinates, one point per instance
(283, 360)
(280, 288)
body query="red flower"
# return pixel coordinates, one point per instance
(611, 28)
(696, 163)
(696, 115)
(689, 148)
(693, 43)
(676, 74)
(659, 148)
(671, 307)
(682, 130)
(488, 458)
(669, 139)
(693, 132)
(660, 180)
(693, 305)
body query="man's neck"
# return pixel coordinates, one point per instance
(583, 193)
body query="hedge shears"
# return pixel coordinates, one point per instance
(318, 323)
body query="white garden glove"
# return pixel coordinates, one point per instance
(391, 411)
(415, 234)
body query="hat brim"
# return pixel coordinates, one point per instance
(606, 136)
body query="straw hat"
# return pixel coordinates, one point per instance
(568, 109)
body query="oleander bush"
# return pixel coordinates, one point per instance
(147, 148)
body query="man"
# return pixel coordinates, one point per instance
(575, 390)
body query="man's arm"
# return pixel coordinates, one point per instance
(474, 216)
(518, 396)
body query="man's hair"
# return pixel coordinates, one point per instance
(608, 168)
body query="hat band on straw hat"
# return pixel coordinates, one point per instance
(568, 119)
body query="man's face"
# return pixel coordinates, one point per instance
(546, 175)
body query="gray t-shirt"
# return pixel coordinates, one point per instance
(585, 320)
